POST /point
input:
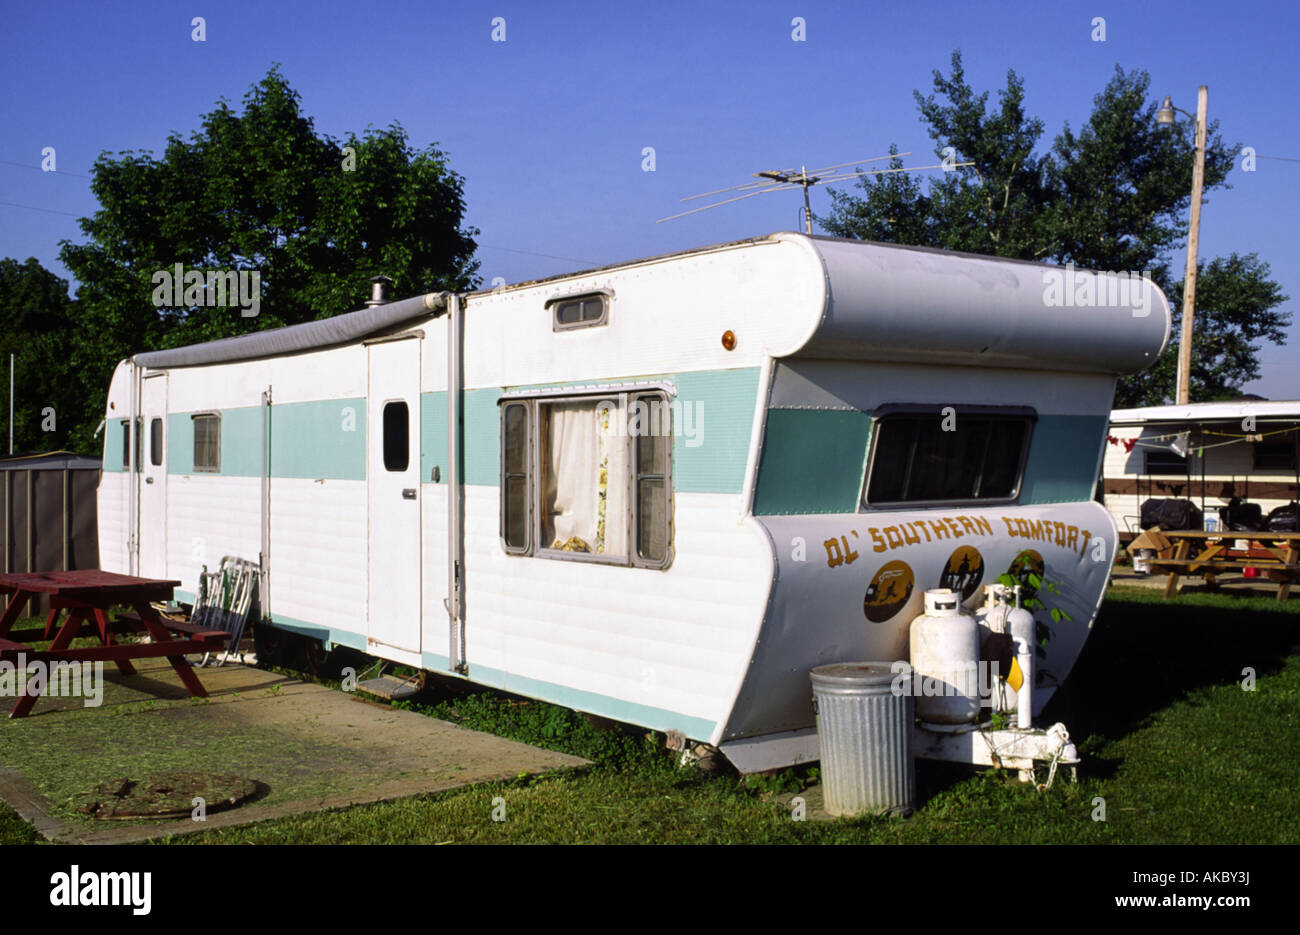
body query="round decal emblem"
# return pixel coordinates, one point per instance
(964, 571)
(1028, 562)
(889, 591)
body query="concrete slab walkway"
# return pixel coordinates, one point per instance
(309, 747)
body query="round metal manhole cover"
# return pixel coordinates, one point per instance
(165, 795)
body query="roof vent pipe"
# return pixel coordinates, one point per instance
(378, 291)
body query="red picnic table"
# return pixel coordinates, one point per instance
(86, 596)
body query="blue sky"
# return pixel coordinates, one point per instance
(548, 127)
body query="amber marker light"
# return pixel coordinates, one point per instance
(729, 340)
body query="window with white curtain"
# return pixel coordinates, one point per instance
(580, 481)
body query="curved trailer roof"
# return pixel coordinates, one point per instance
(876, 302)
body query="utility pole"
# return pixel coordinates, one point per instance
(1193, 239)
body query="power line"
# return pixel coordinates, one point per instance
(549, 256)
(14, 204)
(23, 165)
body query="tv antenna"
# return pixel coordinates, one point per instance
(778, 180)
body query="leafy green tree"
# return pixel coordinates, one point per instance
(37, 325)
(1236, 307)
(1112, 196)
(260, 191)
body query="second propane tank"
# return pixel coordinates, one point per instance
(945, 652)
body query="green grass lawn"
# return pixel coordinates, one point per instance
(1175, 747)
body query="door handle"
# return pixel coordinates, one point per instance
(408, 493)
(148, 480)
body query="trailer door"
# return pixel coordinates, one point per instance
(152, 477)
(393, 492)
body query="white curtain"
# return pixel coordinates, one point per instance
(585, 493)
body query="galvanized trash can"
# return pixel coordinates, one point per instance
(865, 730)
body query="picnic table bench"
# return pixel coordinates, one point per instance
(1272, 555)
(87, 596)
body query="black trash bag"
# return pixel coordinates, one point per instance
(1285, 518)
(1241, 517)
(1170, 513)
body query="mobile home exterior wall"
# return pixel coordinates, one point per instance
(773, 432)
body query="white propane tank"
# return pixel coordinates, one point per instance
(945, 651)
(992, 618)
(1021, 623)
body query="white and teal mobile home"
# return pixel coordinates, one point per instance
(670, 487)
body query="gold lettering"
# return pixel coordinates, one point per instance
(952, 524)
(1087, 537)
(893, 538)
(1022, 527)
(913, 538)
(875, 537)
(1010, 529)
(833, 555)
(984, 526)
(1073, 538)
(966, 524)
(939, 529)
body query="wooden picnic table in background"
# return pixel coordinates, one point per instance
(1275, 555)
(87, 596)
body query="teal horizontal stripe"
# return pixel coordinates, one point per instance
(321, 438)
(813, 461)
(714, 418)
(1062, 462)
(327, 438)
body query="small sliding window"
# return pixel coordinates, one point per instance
(207, 441)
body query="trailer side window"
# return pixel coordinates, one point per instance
(207, 441)
(397, 436)
(584, 469)
(1276, 455)
(588, 478)
(652, 451)
(1165, 461)
(919, 458)
(155, 442)
(579, 311)
(514, 477)
(126, 444)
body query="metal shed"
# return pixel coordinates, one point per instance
(47, 510)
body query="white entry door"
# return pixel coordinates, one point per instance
(152, 477)
(393, 491)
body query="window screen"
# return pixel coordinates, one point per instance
(652, 483)
(514, 476)
(155, 442)
(397, 436)
(207, 442)
(916, 460)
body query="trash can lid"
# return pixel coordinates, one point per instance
(856, 673)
